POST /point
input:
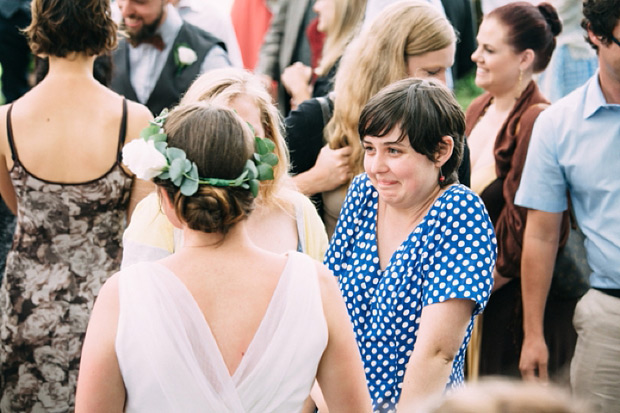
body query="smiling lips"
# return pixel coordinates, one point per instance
(132, 22)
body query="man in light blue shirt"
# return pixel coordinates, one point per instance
(575, 147)
(162, 55)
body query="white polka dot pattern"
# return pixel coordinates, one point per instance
(450, 254)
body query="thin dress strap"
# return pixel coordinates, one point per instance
(122, 132)
(9, 133)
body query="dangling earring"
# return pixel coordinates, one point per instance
(520, 90)
(441, 177)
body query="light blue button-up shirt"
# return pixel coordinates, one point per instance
(575, 146)
(147, 62)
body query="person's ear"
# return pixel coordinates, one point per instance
(594, 39)
(167, 207)
(527, 59)
(446, 147)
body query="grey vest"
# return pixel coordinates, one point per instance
(172, 83)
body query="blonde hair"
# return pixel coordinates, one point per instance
(348, 16)
(224, 85)
(376, 59)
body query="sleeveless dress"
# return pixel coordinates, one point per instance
(170, 361)
(67, 243)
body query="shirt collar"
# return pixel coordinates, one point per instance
(170, 27)
(594, 97)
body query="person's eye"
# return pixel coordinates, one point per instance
(368, 149)
(433, 72)
(489, 50)
(394, 151)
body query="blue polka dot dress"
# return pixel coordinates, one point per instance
(450, 254)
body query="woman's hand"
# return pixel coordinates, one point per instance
(330, 171)
(296, 81)
(499, 280)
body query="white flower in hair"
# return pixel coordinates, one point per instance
(186, 55)
(143, 159)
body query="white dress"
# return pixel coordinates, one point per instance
(170, 361)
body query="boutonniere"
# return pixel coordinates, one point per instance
(184, 56)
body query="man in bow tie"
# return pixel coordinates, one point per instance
(162, 54)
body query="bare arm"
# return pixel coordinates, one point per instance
(100, 387)
(6, 186)
(440, 335)
(341, 373)
(330, 171)
(540, 246)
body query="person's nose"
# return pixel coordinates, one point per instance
(377, 164)
(475, 55)
(126, 8)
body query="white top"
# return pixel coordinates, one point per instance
(170, 361)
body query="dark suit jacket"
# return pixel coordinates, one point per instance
(172, 82)
(460, 14)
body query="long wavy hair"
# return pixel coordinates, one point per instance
(377, 58)
(348, 17)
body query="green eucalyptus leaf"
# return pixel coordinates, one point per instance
(161, 147)
(187, 165)
(176, 171)
(193, 172)
(253, 183)
(261, 146)
(270, 145)
(245, 185)
(265, 172)
(189, 187)
(241, 178)
(159, 137)
(175, 153)
(164, 175)
(251, 168)
(149, 130)
(270, 158)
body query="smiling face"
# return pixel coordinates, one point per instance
(498, 64)
(432, 64)
(141, 18)
(326, 11)
(609, 60)
(402, 176)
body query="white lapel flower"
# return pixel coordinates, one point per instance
(143, 159)
(184, 56)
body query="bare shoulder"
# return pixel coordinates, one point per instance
(138, 117)
(330, 292)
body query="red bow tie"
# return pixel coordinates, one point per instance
(155, 40)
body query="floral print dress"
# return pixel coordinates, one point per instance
(67, 243)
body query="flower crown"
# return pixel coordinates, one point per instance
(151, 157)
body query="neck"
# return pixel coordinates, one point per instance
(410, 215)
(504, 101)
(236, 239)
(74, 65)
(610, 85)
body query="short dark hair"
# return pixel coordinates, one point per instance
(220, 143)
(425, 111)
(601, 18)
(60, 27)
(530, 27)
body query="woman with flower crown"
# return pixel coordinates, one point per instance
(221, 325)
(61, 173)
(283, 219)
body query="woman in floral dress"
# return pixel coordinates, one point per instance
(60, 172)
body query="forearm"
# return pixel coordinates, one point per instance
(426, 376)
(540, 246)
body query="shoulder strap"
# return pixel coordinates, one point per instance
(9, 133)
(123, 132)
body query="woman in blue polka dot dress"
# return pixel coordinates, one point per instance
(413, 250)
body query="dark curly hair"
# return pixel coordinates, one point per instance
(531, 27)
(60, 27)
(425, 111)
(600, 17)
(220, 143)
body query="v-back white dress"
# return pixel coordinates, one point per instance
(170, 360)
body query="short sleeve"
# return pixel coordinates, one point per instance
(543, 185)
(461, 251)
(216, 58)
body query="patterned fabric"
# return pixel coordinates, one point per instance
(7, 228)
(450, 254)
(67, 243)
